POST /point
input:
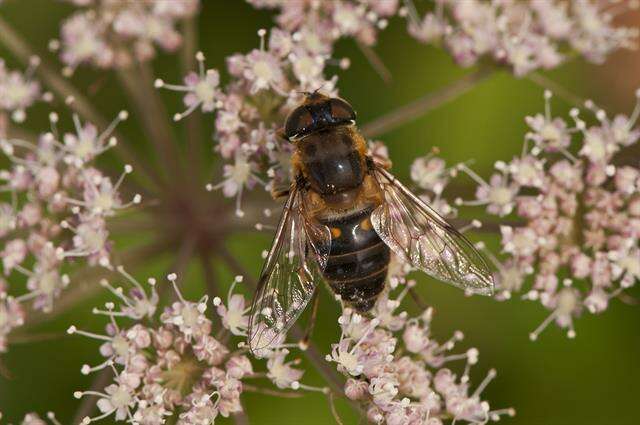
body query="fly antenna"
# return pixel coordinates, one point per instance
(311, 93)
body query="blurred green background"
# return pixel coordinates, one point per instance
(594, 379)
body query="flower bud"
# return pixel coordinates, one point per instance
(355, 389)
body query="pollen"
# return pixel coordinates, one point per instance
(336, 232)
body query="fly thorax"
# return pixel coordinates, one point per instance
(332, 163)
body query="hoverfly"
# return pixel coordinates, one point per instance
(344, 214)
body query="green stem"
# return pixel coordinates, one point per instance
(179, 265)
(376, 62)
(193, 122)
(556, 89)
(152, 120)
(425, 104)
(275, 393)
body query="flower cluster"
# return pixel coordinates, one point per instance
(400, 373)
(114, 34)
(160, 369)
(321, 23)
(575, 199)
(431, 175)
(265, 85)
(18, 91)
(171, 365)
(176, 365)
(54, 210)
(526, 35)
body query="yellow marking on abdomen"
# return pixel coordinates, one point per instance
(365, 224)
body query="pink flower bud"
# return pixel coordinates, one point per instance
(375, 415)
(627, 179)
(139, 336)
(596, 175)
(355, 389)
(47, 180)
(239, 366)
(30, 214)
(580, 266)
(13, 254)
(163, 338)
(415, 338)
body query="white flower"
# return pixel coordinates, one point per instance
(499, 194)
(415, 337)
(263, 70)
(234, 317)
(346, 357)
(282, 373)
(118, 399)
(429, 173)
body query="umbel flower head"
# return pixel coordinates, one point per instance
(400, 373)
(114, 34)
(525, 35)
(54, 210)
(174, 363)
(178, 365)
(576, 202)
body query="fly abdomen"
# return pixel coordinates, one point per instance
(357, 265)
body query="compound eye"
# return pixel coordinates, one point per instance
(298, 122)
(341, 111)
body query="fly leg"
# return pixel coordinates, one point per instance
(304, 342)
(280, 193)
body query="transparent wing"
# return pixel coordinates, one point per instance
(291, 272)
(414, 231)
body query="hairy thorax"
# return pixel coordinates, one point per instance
(333, 163)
